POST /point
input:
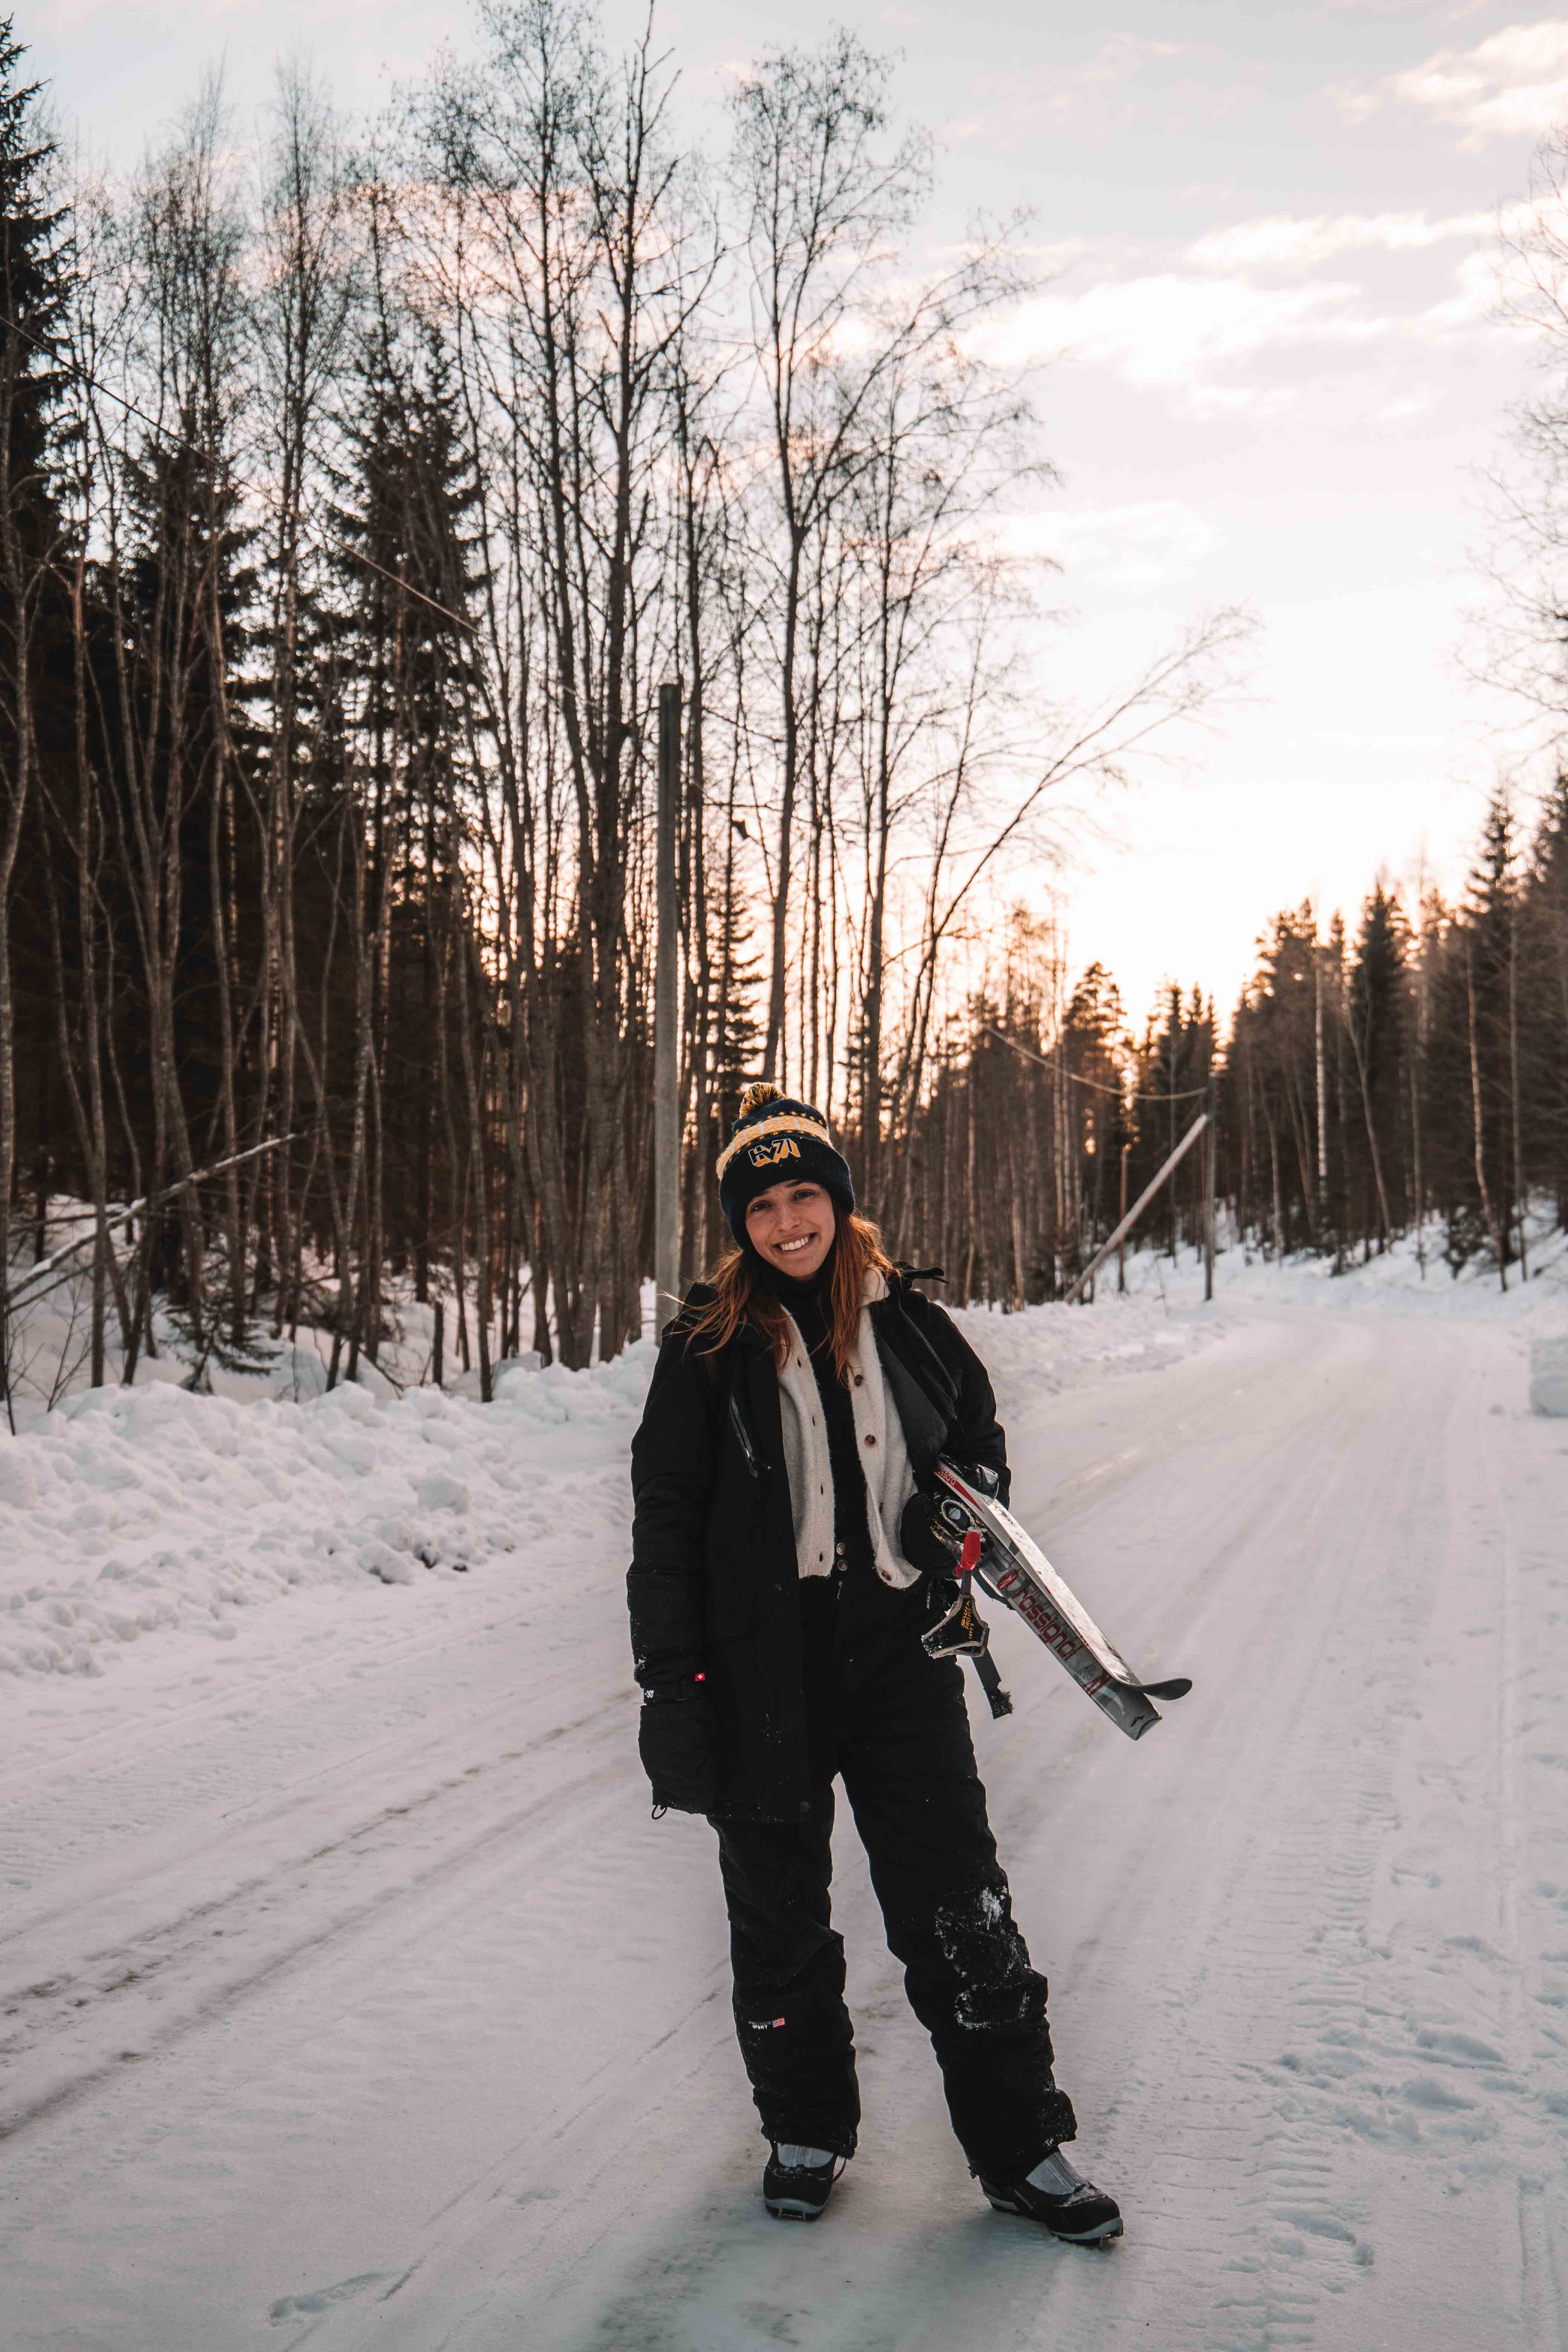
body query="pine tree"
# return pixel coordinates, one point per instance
(1094, 1033)
(1375, 1025)
(35, 282)
(407, 568)
(737, 1029)
(187, 598)
(1544, 923)
(1174, 1067)
(406, 553)
(35, 628)
(1489, 947)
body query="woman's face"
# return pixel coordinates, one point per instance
(791, 1227)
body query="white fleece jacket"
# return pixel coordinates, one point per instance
(879, 1437)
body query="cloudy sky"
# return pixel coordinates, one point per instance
(1274, 368)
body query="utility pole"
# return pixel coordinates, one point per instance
(1211, 1158)
(666, 990)
(1323, 1201)
(1197, 1128)
(1122, 1226)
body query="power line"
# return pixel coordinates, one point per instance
(1051, 1062)
(354, 554)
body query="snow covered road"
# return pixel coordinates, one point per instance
(349, 1998)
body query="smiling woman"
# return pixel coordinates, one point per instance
(787, 1564)
(791, 1226)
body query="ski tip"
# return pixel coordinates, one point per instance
(1177, 1687)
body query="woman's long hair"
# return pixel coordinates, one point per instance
(740, 1297)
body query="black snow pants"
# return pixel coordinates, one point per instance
(900, 1738)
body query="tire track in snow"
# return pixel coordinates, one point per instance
(210, 1992)
(1179, 2131)
(1363, 2071)
(388, 1734)
(681, 2298)
(528, 2065)
(1301, 1956)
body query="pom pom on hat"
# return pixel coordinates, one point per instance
(762, 1090)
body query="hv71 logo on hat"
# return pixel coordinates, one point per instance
(780, 1147)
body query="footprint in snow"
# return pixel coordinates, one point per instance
(1459, 2045)
(1473, 1944)
(1426, 2093)
(1316, 2225)
(321, 2298)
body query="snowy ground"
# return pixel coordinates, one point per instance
(349, 1997)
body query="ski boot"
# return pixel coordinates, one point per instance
(1069, 2206)
(798, 2181)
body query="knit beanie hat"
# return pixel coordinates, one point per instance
(774, 1138)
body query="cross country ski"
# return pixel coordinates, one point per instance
(990, 1544)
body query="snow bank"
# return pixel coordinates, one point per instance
(130, 1512)
(1395, 1282)
(134, 1511)
(1548, 1376)
(1048, 1349)
(125, 1513)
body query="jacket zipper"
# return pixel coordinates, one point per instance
(738, 1422)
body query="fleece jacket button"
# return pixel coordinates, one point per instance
(870, 1441)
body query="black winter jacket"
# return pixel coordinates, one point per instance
(713, 1586)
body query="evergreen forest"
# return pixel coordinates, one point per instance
(358, 497)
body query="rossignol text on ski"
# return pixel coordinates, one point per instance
(988, 1543)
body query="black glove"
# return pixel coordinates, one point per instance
(677, 1739)
(933, 1553)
